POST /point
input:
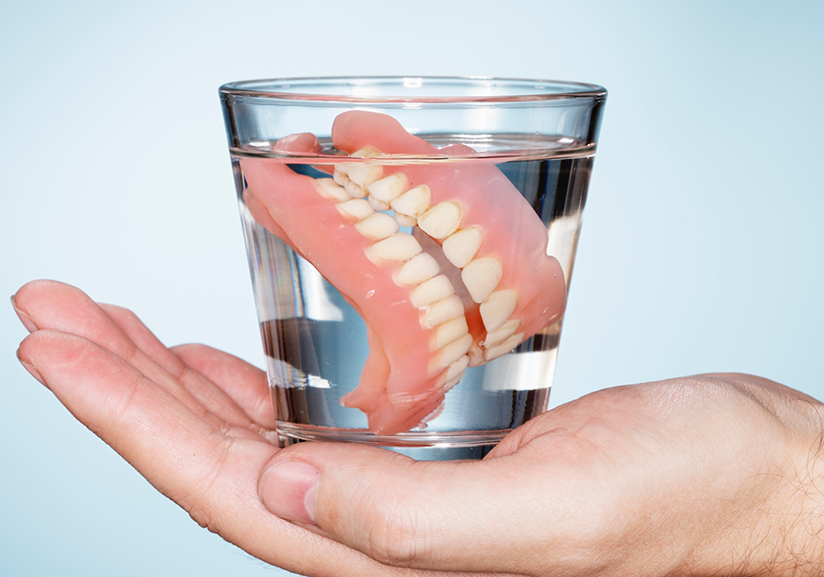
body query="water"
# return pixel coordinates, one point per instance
(316, 345)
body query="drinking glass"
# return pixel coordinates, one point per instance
(410, 242)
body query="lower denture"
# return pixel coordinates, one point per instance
(425, 326)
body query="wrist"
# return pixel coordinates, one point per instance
(793, 522)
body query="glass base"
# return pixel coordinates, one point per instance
(419, 445)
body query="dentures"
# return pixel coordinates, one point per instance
(469, 283)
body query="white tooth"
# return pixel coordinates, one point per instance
(339, 176)
(400, 246)
(481, 276)
(356, 208)
(389, 188)
(497, 308)
(445, 310)
(413, 202)
(455, 373)
(441, 220)
(366, 152)
(405, 220)
(327, 188)
(354, 190)
(432, 291)
(452, 352)
(448, 332)
(365, 174)
(507, 330)
(504, 347)
(377, 204)
(457, 368)
(420, 268)
(461, 247)
(377, 226)
(449, 385)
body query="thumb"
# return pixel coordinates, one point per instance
(456, 516)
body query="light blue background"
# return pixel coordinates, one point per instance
(702, 247)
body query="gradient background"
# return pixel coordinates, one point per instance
(702, 247)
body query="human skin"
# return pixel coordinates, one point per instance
(705, 475)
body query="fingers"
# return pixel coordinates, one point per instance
(138, 333)
(57, 306)
(207, 471)
(216, 396)
(246, 384)
(140, 420)
(460, 516)
(207, 466)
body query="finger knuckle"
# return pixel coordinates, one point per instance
(200, 495)
(394, 535)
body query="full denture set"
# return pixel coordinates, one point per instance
(469, 283)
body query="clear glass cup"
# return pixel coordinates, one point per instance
(411, 242)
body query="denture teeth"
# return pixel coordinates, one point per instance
(450, 353)
(365, 174)
(413, 202)
(441, 220)
(504, 348)
(377, 204)
(450, 384)
(462, 246)
(455, 350)
(356, 208)
(448, 332)
(432, 291)
(442, 311)
(377, 226)
(328, 188)
(497, 308)
(455, 373)
(389, 188)
(417, 270)
(405, 220)
(363, 193)
(481, 276)
(457, 368)
(351, 188)
(508, 329)
(354, 190)
(400, 246)
(339, 176)
(366, 152)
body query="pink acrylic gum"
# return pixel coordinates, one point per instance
(404, 380)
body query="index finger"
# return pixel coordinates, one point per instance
(209, 472)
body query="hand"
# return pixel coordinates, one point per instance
(715, 474)
(195, 422)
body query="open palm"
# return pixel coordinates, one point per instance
(714, 474)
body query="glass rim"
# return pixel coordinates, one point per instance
(267, 89)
